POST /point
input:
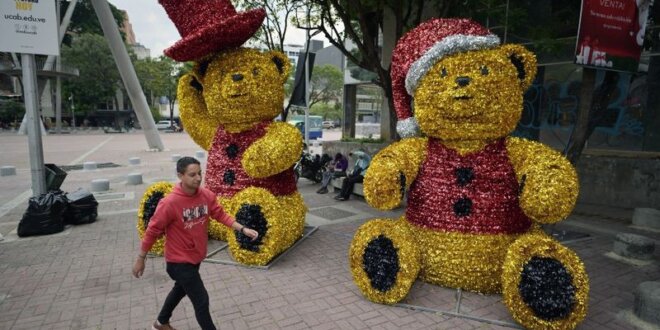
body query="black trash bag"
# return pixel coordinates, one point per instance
(82, 207)
(44, 215)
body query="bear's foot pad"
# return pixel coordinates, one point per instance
(220, 254)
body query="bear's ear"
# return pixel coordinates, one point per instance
(524, 61)
(282, 64)
(198, 72)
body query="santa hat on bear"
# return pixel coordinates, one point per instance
(208, 26)
(419, 49)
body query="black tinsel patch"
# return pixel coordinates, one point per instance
(464, 176)
(232, 151)
(522, 184)
(229, 177)
(150, 207)
(547, 288)
(381, 263)
(250, 215)
(463, 207)
(402, 180)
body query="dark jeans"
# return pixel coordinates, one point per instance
(187, 282)
(347, 185)
(328, 175)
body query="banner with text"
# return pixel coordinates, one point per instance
(611, 33)
(29, 26)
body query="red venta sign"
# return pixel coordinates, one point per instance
(611, 33)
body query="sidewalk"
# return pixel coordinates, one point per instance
(80, 278)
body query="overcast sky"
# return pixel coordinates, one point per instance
(154, 30)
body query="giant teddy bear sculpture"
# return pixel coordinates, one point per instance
(476, 197)
(227, 105)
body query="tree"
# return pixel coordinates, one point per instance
(84, 20)
(326, 85)
(159, 77)
(99, 77)
(276, 25)
(327, 111)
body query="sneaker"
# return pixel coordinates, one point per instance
(158, 326)
(322, 191)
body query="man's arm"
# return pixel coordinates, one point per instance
(219, 215)
(156, 227)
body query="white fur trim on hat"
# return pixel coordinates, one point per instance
(449, 45)
(407, 127)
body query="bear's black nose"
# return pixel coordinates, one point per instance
(237, 77)
(463, 81)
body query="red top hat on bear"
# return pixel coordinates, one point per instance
(208, 26)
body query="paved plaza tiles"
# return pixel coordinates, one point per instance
(81, 277)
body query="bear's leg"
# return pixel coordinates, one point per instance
(384, 260)
(544, 284)
(258, 209)
(150, 199)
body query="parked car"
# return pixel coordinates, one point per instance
(329, 124)
(164, 124)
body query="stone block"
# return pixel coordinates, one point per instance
(100, 185)
(134, 160)
(7, 170)
(646, 217)
(176, 157)
(647, 302)
(200, 154)
(89, 166)
(134, 179)
(634, 246)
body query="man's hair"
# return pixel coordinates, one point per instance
(183, 162)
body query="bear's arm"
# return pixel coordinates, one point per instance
(275, 152)
(392, 171)
(195, 119)
(549, 183)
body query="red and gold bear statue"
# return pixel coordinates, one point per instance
(476, 197)
(227, 104)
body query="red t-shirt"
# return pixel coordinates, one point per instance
(184, 220)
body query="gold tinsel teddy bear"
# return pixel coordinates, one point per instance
(476, 196)
(227, 105)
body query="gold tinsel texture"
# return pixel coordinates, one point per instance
(475, 197)
(377, 240)
(534, 254)
(227, 106)
(150, 199)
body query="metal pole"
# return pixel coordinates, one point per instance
(506, 21)
(307, 83)
(33, 126)
(58, 86)
(127, 73)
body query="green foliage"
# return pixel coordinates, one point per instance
(362, 140)
(84, 20)
(327, 84)
(155, 113)
(98, 77)
(11, 110)
(327, 111)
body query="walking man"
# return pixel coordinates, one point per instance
(183, 217)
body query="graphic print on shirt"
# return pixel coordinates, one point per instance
(194, 215)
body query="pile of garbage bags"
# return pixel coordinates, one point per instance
(48, 213)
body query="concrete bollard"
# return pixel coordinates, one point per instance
(634, 246)
(134, 160)
(100, 185)
(89, 166)
(7, 170)
(647, 302)
(134, 179)
(200, 154)
(646, 217)
(176, 157)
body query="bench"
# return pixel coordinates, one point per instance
(358, 188)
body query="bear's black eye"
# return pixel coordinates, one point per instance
(484, 70)
(255, 71)
(443, 73)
